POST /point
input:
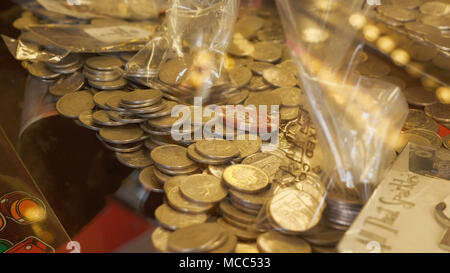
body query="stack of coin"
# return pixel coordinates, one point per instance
(213, 152)
(172, 160)
(104, 72)
(341, 212)
(189, 200)
(198, 238)
(68, 65)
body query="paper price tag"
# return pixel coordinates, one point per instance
(117, 34)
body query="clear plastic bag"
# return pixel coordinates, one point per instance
(187, 57)
(86, 9)
(357, 113)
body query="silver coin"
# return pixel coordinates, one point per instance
(86, 120)
(65, 85)
(142, 96)
(174, 71)
(101, 77)
(68, 61)
(418, 96)
(240, 76)
(257, 83)
(101, 117)
(441, 22)
(153, 131)
(104, 63)
(125, 134)
(258, 67)
(73, 104)
(40, 70)
(397, 13)
(123, 148)
(101, 97)
(112, 85)
(139, 159)
(435, 8)
(440, 112)
(124, 118)
(68, 70)
(442, 61)
(279, 77)
(431, 136)
(267, 52)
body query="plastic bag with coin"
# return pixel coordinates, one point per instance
(188, 56)
(86, 9)
(27, 47)
(358, 112)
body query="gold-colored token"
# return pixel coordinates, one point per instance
(217, 149)
(203, 188)
(274, 242)
(139, 159)
(290, 97)
(293, 211)
(241, 234)
(122, 135)
(174, 71)
(162, 177)
(229, 246)
(173, 182)
(173, 220)
(288, 113)
(279, 77)
(245, 178)
(254, 200)
(246, 248)
(178, 202)
(148, 180)
(102, 97)
(160, 237)
(197, 238)
(172, 157)
(249, 145)
(73, 104)
(226, 208)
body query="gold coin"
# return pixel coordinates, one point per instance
(249, 145)
(73, 104)
(160, 236)
(245, 178)
(173, 220)
(241, 234)
(171, 157)
(148, 180)
(246, 248)
(293, 211)
(177, 201)
(197, 238)
(274, 242)
(203, 188)
(226, 208)
(229, 246)
(217, 149)
(173, 182)
(122, 135)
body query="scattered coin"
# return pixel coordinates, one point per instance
(173, 220)
(203, 188)
(418, 96)
(197, 238)
(148, 180)
(139, 159)
(279, 77)
(245, 178)
(267, 52)
(73, 104)
(217, 149)
(274, 242)
(68, 84)
(122, 135)
(160, 237)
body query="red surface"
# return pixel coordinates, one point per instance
(114, 226)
